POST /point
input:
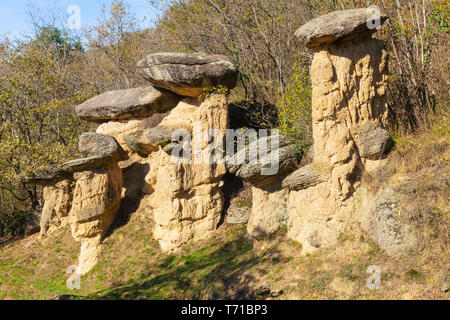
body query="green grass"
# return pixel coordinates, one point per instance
(173, 276)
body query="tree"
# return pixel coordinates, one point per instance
(38, 87)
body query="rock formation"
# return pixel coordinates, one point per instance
(269, 201)
(187, 200)
(162, 176)
(57, 191)
(160, 150)
(127, 104)
(349, 78)
(83, 193)
(189, 74)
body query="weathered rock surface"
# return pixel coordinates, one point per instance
(137, 142)
(189, 74)
(127, 104)
(373, 142)
(46, 175)
(256, 146)
(120, 129)
(93, 144)
(264, 170)
(286, 161)
(90, 163)
(187, 200)
(146, 142)
(308, 157)
(380, 218)
(57, 205)
(303, 178)
(339, 25)
(159, 136)
(238, 214)
(349, 81)
(99, 150)
(96, 200)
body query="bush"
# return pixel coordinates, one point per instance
(294, 107)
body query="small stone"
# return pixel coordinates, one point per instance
(314, 239)
(238, 214)
(374, 142)
(263, 291)
(126, 296)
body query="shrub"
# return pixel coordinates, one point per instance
(294, 107)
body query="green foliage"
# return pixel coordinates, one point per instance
(40, 83)
(294, 107)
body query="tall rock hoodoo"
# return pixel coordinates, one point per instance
(349, 76)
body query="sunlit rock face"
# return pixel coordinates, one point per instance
(349, 76)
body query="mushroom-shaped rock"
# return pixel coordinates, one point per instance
(303, 178)
(338, 25)
(264, 171)
(189, 74)
(96, 195)
(99, 150)
(373, 142)
(94, 144)
(127, 104)
(96, 201)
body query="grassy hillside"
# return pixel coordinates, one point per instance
(229, 266)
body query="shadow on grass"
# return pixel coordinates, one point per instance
(209, 273)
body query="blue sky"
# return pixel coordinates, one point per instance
(14, 17)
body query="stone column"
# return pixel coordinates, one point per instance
(349, 76)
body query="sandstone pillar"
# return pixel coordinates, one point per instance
(349, 76)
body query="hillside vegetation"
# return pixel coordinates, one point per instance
(229, 267)
(45, 77)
